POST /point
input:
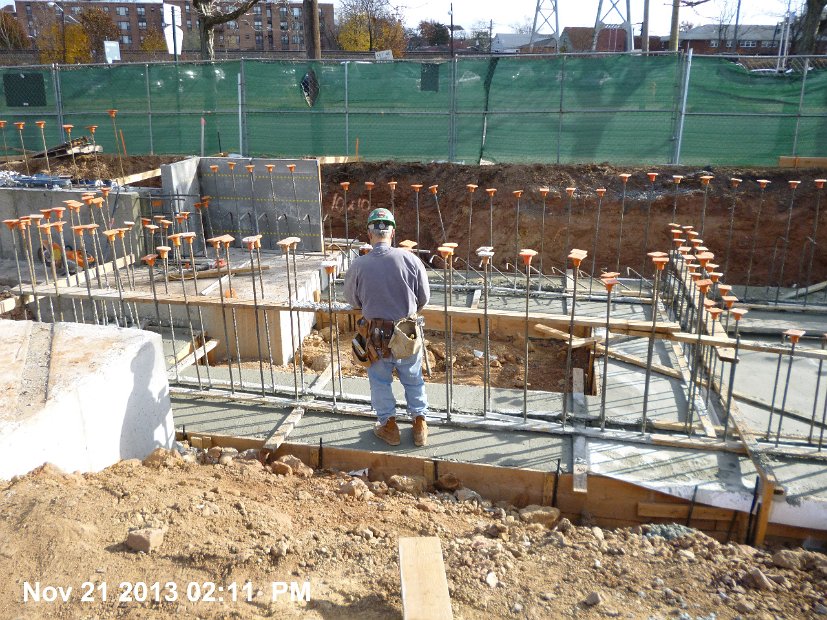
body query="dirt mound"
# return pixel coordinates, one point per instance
(224, 518)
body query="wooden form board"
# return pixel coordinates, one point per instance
(786, 161)
(610, 502)
(424, 584)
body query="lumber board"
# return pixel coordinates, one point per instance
(284, 429)
(214, 273)
(185, 361)
(424, 583)
(789, 161)
(580, 465)
(138, 176)
(641, 363)
(663, 510)
(9, 304)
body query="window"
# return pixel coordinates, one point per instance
(285, 41)
(269, 13)
(232, 25)
(259, 42)
(713, 43)
(298, 26)
(123, 11)
(297, 12)
(28, 9)
(126, 39)
(769, 44)
(257, 10)
(298, 39)
(749, 44)
(141, 11)
(235, 41)
(123, 25)
(283, 27)
(189, 24)
(257, 24)
(729, 43)
(142, 24)
(187, 7)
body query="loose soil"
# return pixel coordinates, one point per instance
(237, 522)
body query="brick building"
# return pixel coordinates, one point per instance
(752, 40)
(267, 26)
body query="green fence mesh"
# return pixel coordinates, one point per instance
(567, 109)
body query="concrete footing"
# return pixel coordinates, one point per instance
(81, 397)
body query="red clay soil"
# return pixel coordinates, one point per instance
(454, 200)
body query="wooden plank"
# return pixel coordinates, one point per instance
(664, 510)
(281, 432)
(767, 494)
(556, 334)
(189, 359)
(786, 161)
(578, 381)
(580, 465)
(636, 361)
(139, 176)
(9, 304)
(424, 584)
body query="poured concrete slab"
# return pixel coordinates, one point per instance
(79, 396)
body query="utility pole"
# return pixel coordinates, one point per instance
(490, 34)
(673, 32)
(313, 40)
(644, 31)
(737, 20)
(451, 13)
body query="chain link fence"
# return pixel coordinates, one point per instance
(623, 109)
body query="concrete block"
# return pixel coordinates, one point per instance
(80, 396)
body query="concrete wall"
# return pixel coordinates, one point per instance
(15, 202)
(81, 397)
(233, 197)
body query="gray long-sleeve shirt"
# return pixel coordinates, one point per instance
(387, 283)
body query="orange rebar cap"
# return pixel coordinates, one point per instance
(576, 256)
(471, 187)
(794, 334)
(491, 191)
(112, 113)
(40, 124)
(527, 255)
(433, 189)
(517, 193)
(345, 185)
(392, 185)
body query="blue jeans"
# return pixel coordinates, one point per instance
(409, 370)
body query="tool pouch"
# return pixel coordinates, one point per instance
(405, 340)
(365, 352)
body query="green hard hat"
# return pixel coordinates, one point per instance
(380, 217)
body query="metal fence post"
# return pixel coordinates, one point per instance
(58, 99)
(149, 112)
(560, 110)
(452, 113)
(242, 119)
(347, 111)
(800, 106)
(679, 140)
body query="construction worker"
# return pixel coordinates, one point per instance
(390, 286)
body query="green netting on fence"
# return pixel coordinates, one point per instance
(615, 108)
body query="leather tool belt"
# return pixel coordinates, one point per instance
(381, 339)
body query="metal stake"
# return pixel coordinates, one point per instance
(762, 183)
(433, 189)
(471, 189)
(659, 259)
(600, 191)
(526, 255)
(793, 186)
(576, 257)
(705, 179)
(609, 281)
(794, 335)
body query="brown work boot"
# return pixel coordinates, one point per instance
(420, 431)
(388, 432)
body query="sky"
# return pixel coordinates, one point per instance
(583, 12)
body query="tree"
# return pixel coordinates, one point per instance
(12, 35)
(50, 40)
(481, 36)
(524, 27)
(99, 27)
(434, 33)
(386, 33)
(212, 13)
(812, 26)
(154, 41)
(361, 19)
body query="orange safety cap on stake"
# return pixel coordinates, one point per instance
(703, 285)
(570, 191)
(660, 262)
(794, 334)
(794, 184)
(610, 274)
(609, 283)
(624, 176)
(600, 191)
(543, 191)
(176, 239)
(329, 266)
(445, 251)
(652, 176)
(20, 125)
(729, 300)
(269, 167)
(40, 124)
(3, 124)
(69, 128)
(433, 189)
(677, 178)
(820, 183)
(291, 167)
(214, 168)
(149, 259)
(231, 165)
(250, 168)
(345, 185)
(416, 187)
(517, 193)
(110, 234)
(738, 313)
(365, 248)
(91, 128)
(763, 183)
(163, 250)
(735, 181)
(576, 256)
(112, 113)
(527, 255)
(471, 187)
(705, 179)
(491, 191)
(392, 185)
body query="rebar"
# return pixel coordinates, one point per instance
(703, 287)
(251, 170)
(330, 269)
(526, 255)
(734, 182)
(112, 114)
(793, 186)
(392, 185)
(176, 244)
(705, 179)
(345, 185)
(64, 260)
(517, 193)
(485, 255)
(42, 252)
(447, 253)
(216, 244)
(491, 191)
(600, 191)
(815, 395)
(110, 236)
(26, 240)
(819, 186)
(576, 256)
(5, 145)
(676, 178)
(266, 319)
(370, 185)
(42, 125)
(293, 247)
(250, 242)
(231, 166)
(227, 241)
(189, 237)
(794, 335)
(471, 189)
(80, 229)
(163, 253)
(609, 282)
(732, 366)
(659, 260)
(570, 192)
(285, 244)
(775, 388)
(762, 183)
(92, 129)
(433, 189)
(624, 178)
(20, 125)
